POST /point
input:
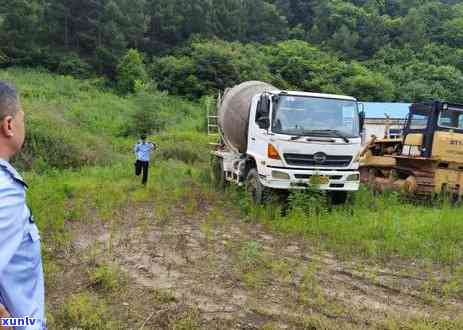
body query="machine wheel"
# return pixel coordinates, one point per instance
(258, 193)
(218, 173)
(338, 197)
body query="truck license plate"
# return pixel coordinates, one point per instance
(319, 179)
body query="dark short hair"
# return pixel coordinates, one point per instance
(8, 99)
(143, 137)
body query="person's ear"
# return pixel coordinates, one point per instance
(7, 126)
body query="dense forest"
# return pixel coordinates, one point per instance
(396, 50)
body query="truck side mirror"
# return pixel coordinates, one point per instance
(263, 107)
(263, 122)
(263, 112)
(361, 121)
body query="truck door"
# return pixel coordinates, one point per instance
(258, 127)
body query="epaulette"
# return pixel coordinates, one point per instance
(14, 174)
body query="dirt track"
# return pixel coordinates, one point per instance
(211, 266)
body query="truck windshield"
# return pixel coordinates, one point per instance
(451, 118)
(299, 115)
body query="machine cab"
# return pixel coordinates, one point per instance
(434, 130)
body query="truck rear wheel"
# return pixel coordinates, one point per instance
(218, 173)
(258, 192)
(338, 197)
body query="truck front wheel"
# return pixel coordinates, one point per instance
(258, 192)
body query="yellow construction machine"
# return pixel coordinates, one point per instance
(426, 160)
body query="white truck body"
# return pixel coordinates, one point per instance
(325, 161)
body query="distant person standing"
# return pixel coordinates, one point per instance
(21, 273)
(143, 150)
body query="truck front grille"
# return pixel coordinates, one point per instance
(309, 160)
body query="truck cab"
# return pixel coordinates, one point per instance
(299, 140)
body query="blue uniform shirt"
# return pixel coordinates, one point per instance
(21, 273)
(143, 151)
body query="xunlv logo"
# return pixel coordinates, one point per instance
(18, 322)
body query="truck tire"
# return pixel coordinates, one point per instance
(257, 191)
(338, 197)
(218, 174)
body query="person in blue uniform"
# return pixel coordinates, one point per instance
(21, 273)
(143, 150)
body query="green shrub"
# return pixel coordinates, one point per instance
(188, 147)
(309, 202)
(85, 311)
(182, 151)
(131, 72)
(250, 255)
(155, 112)
(106, 278)
(72, 64)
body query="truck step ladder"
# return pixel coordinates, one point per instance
(212, 121)
(212, 125)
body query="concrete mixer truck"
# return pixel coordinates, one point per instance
(272, 139)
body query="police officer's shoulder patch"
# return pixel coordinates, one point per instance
(5, 176)
(10, 174)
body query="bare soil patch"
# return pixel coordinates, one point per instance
(212, 267)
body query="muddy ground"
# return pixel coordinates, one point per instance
(210, 268)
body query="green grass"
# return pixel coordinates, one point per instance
(81, 102)
(85, 311)
(380, 227)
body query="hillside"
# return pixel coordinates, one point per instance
(74, 123)
(182, 255)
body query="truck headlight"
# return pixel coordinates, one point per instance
(353, 177)
(272, 152)
(280, 175)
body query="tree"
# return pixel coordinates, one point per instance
(148, 118)
(370, 86)
(134, 21)
(111, 42)
(131, 72)
(301, 12)
(209, 66)
(453, 32)
(413, 30)
(302, 66)
(346, 41)
(21, 31)
(165, 24)
(228, 22)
